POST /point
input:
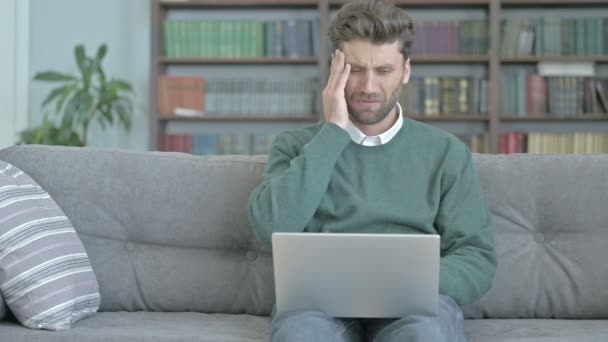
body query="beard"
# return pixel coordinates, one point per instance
(372, 117)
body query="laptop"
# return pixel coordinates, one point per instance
(357, 275)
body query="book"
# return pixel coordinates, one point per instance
(551, 68)
(536, 100)
(601, 89)
(180, 92)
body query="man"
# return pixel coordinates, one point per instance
(368, 168)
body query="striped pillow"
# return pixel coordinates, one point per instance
(46, 277)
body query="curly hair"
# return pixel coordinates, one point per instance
(378, 21)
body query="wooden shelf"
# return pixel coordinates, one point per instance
(237, 60)
(536, 59)
(310, 60)
(450, 117)
(495, 9)
(450, 59)
(427, 3)
(581, 117)
(237, 3)
(240, 117)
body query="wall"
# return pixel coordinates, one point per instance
(58, 25)
(14, 69)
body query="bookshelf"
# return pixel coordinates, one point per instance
(576, 38)
(495, 122)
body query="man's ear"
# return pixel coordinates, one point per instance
(406, 71)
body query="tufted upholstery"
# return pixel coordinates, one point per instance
(165, 232)
(551, 224)
(169, 232)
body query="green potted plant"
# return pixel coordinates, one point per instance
(81, 99)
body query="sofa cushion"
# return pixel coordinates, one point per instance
(45, 274)
(164, 231)
(536, 330)
(551, 228)
(150, 327)
(185, 244)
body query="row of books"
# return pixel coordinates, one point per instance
(528, 94)
(478, 143)
(445, 95)
(548, 36)
(541, 143)
(262, 97)
(218, 144)
(553, 143)
(191, 96)
(552, 36)
(522, 94)
(241, 38)
(466, 37)
(512, 142)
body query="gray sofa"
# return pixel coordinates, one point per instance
(176, 260)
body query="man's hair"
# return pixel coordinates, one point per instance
(378, 21)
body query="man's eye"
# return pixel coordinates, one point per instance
(355, 70)
(383, 71)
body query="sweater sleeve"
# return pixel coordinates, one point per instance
(468, 258)
(293, 185)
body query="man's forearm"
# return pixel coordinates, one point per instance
(293, 186)
(467, 274)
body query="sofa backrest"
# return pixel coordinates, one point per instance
(164, 231)
(169, 232)
(551, 226)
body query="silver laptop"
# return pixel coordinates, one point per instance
(357, 275)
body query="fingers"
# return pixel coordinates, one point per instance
(337, 77)
(333, 67)
(344, 77)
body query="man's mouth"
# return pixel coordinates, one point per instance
(367, 102)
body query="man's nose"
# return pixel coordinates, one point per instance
(368, 82)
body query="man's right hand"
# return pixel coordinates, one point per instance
(334, 102)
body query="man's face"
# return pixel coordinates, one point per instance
(376, 76)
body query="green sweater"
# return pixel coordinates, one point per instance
(422, 181)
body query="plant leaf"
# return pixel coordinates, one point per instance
(67, 122)
(43, 131)
(82, 104)
(64, 96)
(108, 96)
(71, 109)
(28, 136)
(81, 59)
(54, 76)
(123, 115)
(101, 53)
(53, 94)
(102, 75)
(86, 65)
(101, 121)
(120, 85)
(86, 105)
(90, 72)
(108, 115)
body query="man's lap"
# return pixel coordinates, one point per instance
(316, 326)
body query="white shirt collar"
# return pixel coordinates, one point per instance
(360, 138)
